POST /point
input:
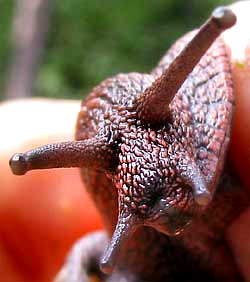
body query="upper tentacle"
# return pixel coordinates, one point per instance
(152, 106)
(96, 153)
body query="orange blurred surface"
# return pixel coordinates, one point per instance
(43, 212)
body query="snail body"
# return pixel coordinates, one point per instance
(152, 148)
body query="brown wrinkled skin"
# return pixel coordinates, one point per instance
(198, 129)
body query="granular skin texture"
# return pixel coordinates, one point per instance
(177, 239)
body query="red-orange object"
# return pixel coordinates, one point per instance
(43, 213)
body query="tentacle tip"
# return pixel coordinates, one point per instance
(203, 198)
(224, 17)
(18, 164)
(106, 267)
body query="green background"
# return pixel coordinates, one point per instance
(90, 40)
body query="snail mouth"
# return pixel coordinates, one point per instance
(171, 219)
(126, 226)
(170, 227)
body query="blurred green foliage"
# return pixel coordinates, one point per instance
(90, 40)
(6, 12)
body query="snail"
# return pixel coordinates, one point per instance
(152, 150)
